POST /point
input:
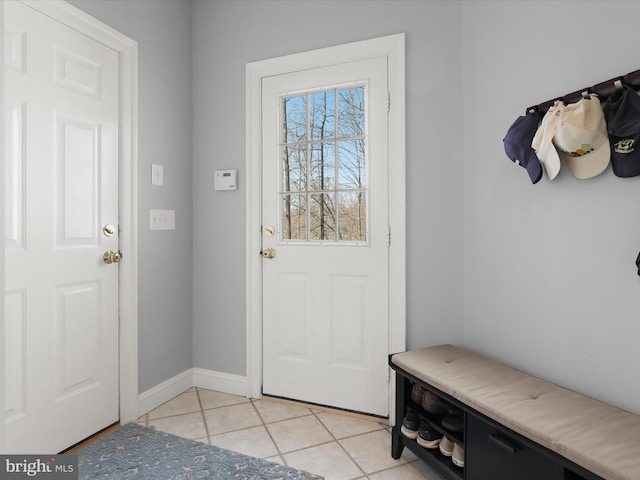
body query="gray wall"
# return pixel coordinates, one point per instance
(228, 35)
(162, 29)
(549, 276)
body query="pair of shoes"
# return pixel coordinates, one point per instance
(416, 394)
(432, 404)
(453, 421)
(410, 425)
(454, 450)
(427, 437)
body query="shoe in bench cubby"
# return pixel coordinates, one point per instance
(453, 421)
(410, 425)
(428, 437)
(433, 404)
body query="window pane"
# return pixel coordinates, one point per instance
(322, 217)
(294, 168)
(352, 216)
(294, 217)
(351, 164)
(323, 166)
(322, 108)
(295, 119)
(351, 112)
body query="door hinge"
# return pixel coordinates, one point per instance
(389, 237)
(388, 102)
(388, 374)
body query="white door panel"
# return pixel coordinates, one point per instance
(325, 302)
(61, 188)
(15, 355)
(14, 176)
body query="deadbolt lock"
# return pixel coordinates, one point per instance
(109, 230)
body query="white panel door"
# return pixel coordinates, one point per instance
(325, 225)
(61, 164)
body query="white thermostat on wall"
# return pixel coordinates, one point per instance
(225, 180)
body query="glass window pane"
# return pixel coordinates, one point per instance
(294, 168)
(351, 164)
(351, 112)
(352, 216)
(294, 217)
(295, 119)
(322, 217)
(322, 107)
(323, 166)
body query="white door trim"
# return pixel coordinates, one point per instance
(127, 49)
(391, 46)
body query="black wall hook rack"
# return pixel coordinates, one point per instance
(602, 89)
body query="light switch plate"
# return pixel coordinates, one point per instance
(162, 219)
(157, 175)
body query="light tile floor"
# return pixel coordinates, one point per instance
(334, 445)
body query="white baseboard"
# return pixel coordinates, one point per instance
(165, 391)
(194, 377)
(220, 382)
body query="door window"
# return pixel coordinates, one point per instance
(323, 145)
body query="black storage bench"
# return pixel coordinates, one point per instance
(515, 426)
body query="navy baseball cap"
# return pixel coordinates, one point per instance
(517, 145)
(622, 112)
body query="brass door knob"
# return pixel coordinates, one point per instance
(269, 253)
(111, 257)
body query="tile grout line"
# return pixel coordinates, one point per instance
(340, 445)
(365, 474)
(204, 418)
(200, 410)
(264, 424)
(310, 447)
(146, 419)
(282, 454)
(220, 407)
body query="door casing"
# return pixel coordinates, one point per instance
(392, 47)
(127, 49)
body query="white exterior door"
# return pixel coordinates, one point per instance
(61, 197)
(325, 223)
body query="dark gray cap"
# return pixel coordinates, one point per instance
(622, 113)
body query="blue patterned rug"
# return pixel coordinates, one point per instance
(142, 453)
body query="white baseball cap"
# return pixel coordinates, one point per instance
(581, 137)
(542, 141)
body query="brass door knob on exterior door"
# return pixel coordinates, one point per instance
(269, 253)
(111, 257)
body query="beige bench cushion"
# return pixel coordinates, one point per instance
(599, 437)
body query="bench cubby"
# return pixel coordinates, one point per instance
(439, 462)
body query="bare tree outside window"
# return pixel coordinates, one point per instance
(323, 148)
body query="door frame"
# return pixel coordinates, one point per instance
(127, 50)
(391, 46)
